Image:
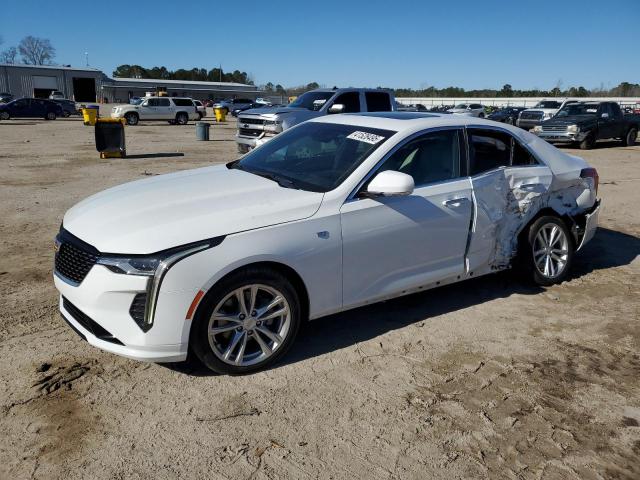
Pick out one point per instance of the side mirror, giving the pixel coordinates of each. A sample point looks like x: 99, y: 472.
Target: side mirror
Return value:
x: 336, y: 108
x: 605, y: 115
x: 391, y: 184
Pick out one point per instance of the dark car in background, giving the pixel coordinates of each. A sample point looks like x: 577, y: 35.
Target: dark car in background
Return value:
x: 585, y: 123
x: 5, y: 97
x: 506, y: 115
x: 31, y: 108
x: 68, y: 107
x: 236, y: 111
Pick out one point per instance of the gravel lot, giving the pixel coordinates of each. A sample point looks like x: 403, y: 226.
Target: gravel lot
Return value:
x: 484, y: 379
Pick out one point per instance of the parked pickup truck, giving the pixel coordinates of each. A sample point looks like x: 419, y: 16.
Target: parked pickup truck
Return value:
x: 543, y: 110
x: 258, y: 125
x: 586, y: 122
x: 172, y: 109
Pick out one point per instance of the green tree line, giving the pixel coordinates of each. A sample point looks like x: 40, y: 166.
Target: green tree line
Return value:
x: 196, y: 74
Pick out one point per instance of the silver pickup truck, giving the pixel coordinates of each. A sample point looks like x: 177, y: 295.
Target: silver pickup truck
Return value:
x: 258, y: 125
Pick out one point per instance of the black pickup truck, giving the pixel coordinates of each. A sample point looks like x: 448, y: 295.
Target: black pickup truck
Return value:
x: 586, y: 122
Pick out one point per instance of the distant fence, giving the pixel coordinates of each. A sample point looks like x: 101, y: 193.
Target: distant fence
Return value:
x: 505, y: 102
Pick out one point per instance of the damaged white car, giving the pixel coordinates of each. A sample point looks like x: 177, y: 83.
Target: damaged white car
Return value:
x: 340, y: 211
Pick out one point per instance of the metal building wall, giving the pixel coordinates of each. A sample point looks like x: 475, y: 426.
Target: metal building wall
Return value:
x: 19, y: 80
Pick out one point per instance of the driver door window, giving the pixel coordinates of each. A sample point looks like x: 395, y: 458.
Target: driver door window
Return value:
x: 350, y: 100
x: 431, y: 158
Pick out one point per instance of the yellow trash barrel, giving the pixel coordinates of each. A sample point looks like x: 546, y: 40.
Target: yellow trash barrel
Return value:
x: 89, y: 115
x: 220, y: 114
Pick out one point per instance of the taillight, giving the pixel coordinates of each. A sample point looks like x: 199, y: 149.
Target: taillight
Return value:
x: 591, y: 173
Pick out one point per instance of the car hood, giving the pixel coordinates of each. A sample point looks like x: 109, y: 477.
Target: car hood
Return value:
x: 274, y: 110
x: 154, y: 214
x: 571, y: 120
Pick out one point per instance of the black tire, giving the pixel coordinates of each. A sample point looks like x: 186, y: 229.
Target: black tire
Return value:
x: 182, y: 118
x: 629, y: 139
x: 5, y: 116
x: 132, y: 118
x: 528, y: 247
x: 200, y: 116
x: 481, y: 115
x: 50, y: 116
x: 66, y: 114
x: 589, y: 142
x: 199, y: 336
x: 242, y: 148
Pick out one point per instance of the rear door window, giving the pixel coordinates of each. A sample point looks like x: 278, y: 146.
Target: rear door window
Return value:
x: 182, y: 102
x: 522, y: 156
x: 488, y: 150
x: 163, y: 102
x: 378, y: 101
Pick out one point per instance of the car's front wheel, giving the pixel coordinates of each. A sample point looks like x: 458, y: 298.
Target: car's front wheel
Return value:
x: 246, y: 322
x: 589, y: 142
x: 4, y: 116
x: 131, y: 118
x: 50, y: 116
x: 547, y: 251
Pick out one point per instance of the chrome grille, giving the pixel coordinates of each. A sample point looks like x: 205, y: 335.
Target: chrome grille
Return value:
x: 554, y: 128
x: 250, y: 132
x: 251, y: 121
x: 531, y: 115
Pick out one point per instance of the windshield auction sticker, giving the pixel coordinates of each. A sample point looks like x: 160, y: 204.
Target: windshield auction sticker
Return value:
x: 365, y: 137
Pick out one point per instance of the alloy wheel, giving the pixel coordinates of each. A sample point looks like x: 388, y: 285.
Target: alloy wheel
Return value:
x: 550, y: 250
x: 249, y: 325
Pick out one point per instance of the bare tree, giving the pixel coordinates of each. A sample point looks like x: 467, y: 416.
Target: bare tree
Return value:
x: 36, y: 51
x: 9, y: 55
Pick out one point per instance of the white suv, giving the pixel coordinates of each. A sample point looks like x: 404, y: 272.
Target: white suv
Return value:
x: 173, y: 109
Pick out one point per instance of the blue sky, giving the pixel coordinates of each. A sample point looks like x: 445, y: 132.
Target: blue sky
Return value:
x: 466, y: 43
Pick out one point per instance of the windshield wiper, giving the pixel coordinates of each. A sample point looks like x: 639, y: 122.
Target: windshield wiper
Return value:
x: 280, y: 180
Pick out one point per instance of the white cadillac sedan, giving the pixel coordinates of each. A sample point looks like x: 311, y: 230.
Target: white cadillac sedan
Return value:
x: 345, y: 210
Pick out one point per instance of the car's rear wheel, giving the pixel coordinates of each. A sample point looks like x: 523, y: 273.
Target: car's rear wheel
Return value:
x: 246, y: 322
x: 630, y: 138
x: 66, y: 114
x: 50, y: 116
x: 547, y: 251
x: 4, y: 116
x: 182, y: 119
x: 589, y: 142
x: 132, y: 118
x: 200, y: 116
x: 242, y: 149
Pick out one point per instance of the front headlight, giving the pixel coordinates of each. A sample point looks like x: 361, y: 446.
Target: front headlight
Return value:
x: 155, y: 267
x: 547, y: 116
x: 573, y: 128
x: 273, y: 125
x: 537, y: 129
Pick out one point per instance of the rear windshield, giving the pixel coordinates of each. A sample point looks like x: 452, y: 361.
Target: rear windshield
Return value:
x: 313, y: 156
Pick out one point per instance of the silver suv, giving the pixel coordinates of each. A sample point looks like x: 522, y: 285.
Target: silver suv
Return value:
x: 175, y: 110
x: 258, y: 125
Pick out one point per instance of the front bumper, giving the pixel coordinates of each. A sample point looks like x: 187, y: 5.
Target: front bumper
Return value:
x: 562, y: 137
x: 105, y: 298
x: 527, y: 123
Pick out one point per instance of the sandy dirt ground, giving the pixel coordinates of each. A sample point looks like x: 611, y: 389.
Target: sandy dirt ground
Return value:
x: 485, y: 379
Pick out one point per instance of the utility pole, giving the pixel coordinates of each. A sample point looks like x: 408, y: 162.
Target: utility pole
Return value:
x: 86, y: 58
x: 221, y: 72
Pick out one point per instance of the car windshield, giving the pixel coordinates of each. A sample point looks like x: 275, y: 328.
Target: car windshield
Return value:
x: 548, y: 105
x: 578, y: 109
x: 462, y: 105
x: 311, y: 100
x: 313, y: 156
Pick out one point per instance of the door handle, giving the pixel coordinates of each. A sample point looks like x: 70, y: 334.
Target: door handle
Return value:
x: 455, y: 202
